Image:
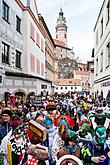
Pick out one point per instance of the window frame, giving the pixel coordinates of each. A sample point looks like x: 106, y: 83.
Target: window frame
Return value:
x: 101, y: 62
x: 18, y: 24
x: 18, y: 60
x: 5, y: 11
x: 5, y: 52
x: 108, y: 54
x: 108, y: 12
x: 102, y: 21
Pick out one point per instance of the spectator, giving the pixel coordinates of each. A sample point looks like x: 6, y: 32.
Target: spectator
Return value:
x: 5, y: 123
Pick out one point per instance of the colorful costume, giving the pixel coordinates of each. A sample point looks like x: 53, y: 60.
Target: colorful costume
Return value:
x: 98, y: 149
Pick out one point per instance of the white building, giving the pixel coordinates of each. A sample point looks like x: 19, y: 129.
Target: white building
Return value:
x: 102, y: 50
x: 22, y: 49
x: 68, y: 85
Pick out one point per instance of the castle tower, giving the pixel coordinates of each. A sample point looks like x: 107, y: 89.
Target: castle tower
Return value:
x: 61, y: 28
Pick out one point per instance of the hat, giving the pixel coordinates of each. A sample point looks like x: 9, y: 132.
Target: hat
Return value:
x: 12, y: 95
x: 8, y: 112
x: 15, y: 123
x: 85, y: 128
x: 82, y: 122
x: 99, y: 110
x: 48, y: 122
x: 50, y: 108
x: 73, y: 136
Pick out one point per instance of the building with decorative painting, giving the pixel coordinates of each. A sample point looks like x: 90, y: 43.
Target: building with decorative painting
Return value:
x: 68, y: 69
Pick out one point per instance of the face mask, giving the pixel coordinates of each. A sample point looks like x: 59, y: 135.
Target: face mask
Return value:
x: 101, y: 140
x: 101, y: 135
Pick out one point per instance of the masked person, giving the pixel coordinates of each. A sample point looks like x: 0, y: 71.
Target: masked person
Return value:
x: 99, y: 118
x: 97, y: 152
x: 84, y: 134
x: 70, y: 146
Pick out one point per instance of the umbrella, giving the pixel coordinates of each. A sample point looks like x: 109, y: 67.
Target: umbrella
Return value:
x: 64, y: 119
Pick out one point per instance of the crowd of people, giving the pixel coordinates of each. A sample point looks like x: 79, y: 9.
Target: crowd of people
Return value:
x: 42, y: 134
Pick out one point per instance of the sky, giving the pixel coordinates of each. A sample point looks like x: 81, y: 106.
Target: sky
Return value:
x: 81, y: 17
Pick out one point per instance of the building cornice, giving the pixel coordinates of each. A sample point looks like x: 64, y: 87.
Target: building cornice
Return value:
x: 46, y: 28
x: 24, y: 75
x: 102, y: 79
x: 99, y: 15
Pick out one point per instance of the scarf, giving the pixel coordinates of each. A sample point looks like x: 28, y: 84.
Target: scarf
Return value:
x: 71, y: 149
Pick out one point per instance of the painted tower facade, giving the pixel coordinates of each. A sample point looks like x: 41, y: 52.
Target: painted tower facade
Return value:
x: 61, y: 28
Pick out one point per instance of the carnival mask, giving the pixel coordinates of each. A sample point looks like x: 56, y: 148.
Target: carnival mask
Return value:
x: 101, y: 135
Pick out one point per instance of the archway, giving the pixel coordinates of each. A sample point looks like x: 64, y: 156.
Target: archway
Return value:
x: 20, y: 95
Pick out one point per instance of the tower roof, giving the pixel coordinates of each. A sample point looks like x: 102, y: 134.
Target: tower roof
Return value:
x: 61, y: 17
x: 61, y: 28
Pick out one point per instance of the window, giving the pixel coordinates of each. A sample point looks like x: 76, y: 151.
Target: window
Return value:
x: 42, y: 69
x: 97, y: 38
x: 18, y: 24
x: 18, y: 59
x: 101, y: 27
x: 38, y: 66
x: 65, y: 87
x: 61, y: 88
x: 5, y: 11
x: 32, y: 32
x: 97, y: 66
x: 42, y: 45
x: 75, y: 87
x: 64, y: 35
x: 71, y: 87
x: 108, y: 12
x: 108, y: 54
x: 5, y: 53
x: 43, y: 86
x: 37, y: 39
x: 32, y: 62
x: 56, y: 87
x: 101, y: 62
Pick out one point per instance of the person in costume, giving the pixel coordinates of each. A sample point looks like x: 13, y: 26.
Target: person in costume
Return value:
x: 70, y: 146
x: 52, y: 130
x: 84, y: 134
x: 12, y: 99
x: 6, y: 140
x: 99, y: 118
x: 32, y: 113
x: 57, y: 141
x: 97, y: 152
x: 37, y: 153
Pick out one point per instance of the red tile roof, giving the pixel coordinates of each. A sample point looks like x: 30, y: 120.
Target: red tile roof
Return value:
x: 77, y: 72
x: 69, y: 82
x: 59, y: 43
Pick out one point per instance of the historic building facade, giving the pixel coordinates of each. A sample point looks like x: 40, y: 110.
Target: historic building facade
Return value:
x: 102, y: 50
x: 49, y: 53
x: 22, y: 49
x: 67, y: 67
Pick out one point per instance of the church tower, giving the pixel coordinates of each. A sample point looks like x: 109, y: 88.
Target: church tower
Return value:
x: 61, y: 28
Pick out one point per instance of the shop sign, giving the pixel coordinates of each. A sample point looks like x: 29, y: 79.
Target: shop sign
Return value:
x: 105, y: 84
